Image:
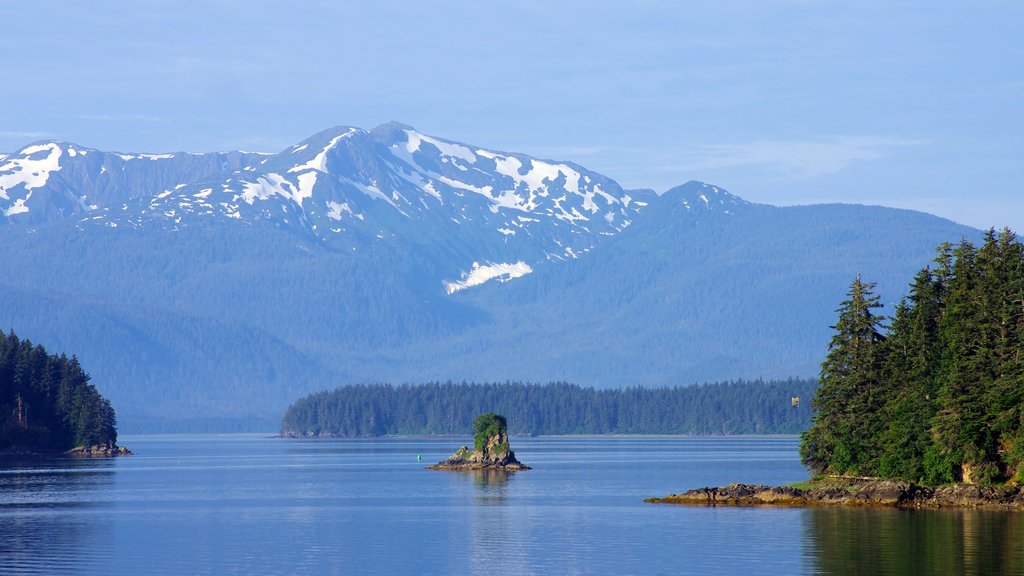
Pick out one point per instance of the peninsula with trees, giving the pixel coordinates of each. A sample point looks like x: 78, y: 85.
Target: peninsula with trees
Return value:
x: 557, y: 408
x: 924, y: 412
x: 48, y: 406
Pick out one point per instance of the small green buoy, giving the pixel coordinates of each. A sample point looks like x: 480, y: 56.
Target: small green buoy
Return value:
x: 419, y: 458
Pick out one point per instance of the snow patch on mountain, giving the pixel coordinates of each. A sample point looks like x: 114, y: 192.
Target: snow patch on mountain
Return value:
x: 539, y: 171
x: 31, y: 167
x: 447, y: 149
x: 336, y: 209
x: 129, y: 157
x: 319, y: 162
x: 265, y: 187
x: 28, y: 169
x: 480, y: 274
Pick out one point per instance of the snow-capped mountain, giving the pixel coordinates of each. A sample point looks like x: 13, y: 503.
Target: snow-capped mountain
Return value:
x: 216, y: 288
x: 478, y: 214
x: 53, y: 181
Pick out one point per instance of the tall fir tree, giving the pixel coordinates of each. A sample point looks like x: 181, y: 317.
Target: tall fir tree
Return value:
x: 843, y: 436
x: 912, y: 361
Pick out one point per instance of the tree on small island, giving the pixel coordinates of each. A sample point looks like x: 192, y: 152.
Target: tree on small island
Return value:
x: 489, y: 425
x: 938, y: 399
x: 491, y: 450
x: 48, y: 405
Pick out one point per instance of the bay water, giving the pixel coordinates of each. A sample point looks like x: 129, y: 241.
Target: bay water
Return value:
x: 254, y: 504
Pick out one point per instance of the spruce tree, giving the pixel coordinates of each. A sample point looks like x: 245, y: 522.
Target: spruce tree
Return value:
x: 845, y: 432
x: 912, y: 361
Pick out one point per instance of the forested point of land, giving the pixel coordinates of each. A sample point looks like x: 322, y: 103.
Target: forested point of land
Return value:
x: 739, y: 407
x: 936, y: 396
x: 47, y: 403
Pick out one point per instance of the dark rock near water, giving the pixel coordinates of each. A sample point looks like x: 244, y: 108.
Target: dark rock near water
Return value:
x: 100, y: 451
x: 890, y: 493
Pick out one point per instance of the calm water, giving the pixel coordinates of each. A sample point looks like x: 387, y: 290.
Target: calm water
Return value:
x: 253, y: 505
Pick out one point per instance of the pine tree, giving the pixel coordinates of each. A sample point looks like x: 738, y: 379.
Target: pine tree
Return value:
x: 844, y: 435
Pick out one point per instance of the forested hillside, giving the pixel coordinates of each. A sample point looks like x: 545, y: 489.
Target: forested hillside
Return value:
x: 938, y: 395
x: 740, y: 407
x: 47, y: 402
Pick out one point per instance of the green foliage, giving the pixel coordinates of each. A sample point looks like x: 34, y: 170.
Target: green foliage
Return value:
x: 939, y: 399
x: 486, y: 426
x: 47, y: 402
x: 846, y: 402
x: 741, y: 407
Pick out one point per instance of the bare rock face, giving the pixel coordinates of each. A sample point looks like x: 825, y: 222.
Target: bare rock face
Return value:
x: 494, y: 452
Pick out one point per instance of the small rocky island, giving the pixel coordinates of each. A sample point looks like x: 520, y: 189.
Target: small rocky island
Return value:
x: 491, y: 450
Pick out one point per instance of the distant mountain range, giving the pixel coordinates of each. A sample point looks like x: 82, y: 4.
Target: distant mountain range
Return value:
x: 207, y: 291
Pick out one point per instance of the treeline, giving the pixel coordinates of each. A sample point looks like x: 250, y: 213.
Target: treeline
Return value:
x: 47, y: 402
x: 937, y: 396
x: 740, y: 407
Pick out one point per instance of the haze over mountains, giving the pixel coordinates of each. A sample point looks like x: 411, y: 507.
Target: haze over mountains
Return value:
x: 207, y: 291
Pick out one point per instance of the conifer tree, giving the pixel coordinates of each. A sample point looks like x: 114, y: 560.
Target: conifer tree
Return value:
x: 46, y: 401
x: 912, y: 361
x: 846, y: 423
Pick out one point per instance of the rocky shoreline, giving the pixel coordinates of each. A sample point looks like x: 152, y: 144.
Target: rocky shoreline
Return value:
x: 486, y: 458
x: 100, y: 451
x: 96, y: 451
x: 886, y: 493
x: 471, y: 466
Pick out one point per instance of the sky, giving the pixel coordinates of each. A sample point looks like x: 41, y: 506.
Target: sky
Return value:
x: 916, y: 105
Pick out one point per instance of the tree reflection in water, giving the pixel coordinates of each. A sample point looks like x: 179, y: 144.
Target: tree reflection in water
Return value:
x: 889, y: 541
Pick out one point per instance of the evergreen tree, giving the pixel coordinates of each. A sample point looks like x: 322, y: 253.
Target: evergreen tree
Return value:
x: 46, y: 401
x: 912, y: 360
x: 947, y: 406
x: 842, y: 437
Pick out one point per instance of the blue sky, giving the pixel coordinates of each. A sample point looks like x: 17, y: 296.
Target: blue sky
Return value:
x: 908, y: 104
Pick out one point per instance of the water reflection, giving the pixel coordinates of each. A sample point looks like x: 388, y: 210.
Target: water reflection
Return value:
x: 42, y: 527
x: 883, y: 541
x: 497, y: 530
x: 491, y: 485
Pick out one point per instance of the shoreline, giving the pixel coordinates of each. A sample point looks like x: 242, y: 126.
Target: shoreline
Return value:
x: 77, y: 452
x: 876, y: 493
x: 525, y: 435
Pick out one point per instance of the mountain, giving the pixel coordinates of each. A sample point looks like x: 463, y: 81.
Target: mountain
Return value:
x: 53, y: 181
x: 470, y: 214
x: 207, y: 291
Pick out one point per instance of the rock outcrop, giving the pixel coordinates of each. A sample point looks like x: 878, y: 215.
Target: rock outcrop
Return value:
x: 491, y: 449
x: 891, y: 493
x: 100, y: 451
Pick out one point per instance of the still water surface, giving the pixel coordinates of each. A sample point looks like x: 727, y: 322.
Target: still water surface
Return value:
x: 247, y: 504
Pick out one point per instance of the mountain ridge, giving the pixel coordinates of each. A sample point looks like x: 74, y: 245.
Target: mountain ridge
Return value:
x: 207, y: 298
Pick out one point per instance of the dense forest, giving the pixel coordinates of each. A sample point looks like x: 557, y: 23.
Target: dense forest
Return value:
x: 47, y: 402
x: 936, y: 395
x: 741, y: 407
